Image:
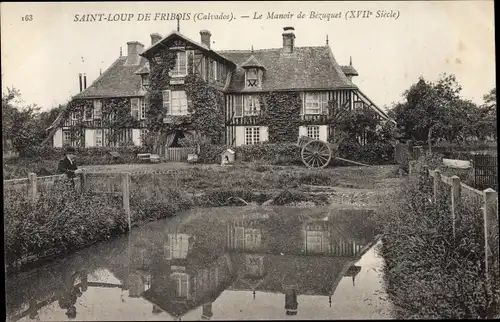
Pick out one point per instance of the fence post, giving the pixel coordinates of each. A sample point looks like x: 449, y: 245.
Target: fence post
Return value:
x: 455, y: 201
x: 126, y: 196
x: 490, y: 223
x: 83, y: 180
x: 32, y: 186
x: 436, y: 182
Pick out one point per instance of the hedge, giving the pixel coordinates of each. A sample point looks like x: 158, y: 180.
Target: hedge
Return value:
x: 289, y: 153
x: 52, y: 153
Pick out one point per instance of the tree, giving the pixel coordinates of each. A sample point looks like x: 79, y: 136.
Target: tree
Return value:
x: 486, y: 116
x: 23, y: 126
x: 431, y: 110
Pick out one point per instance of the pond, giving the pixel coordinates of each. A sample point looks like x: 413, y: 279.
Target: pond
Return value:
x: 218, y: 263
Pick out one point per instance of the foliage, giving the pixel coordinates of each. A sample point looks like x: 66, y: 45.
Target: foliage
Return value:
x: 371, y: 153
x: 115, y: 116
x: 289, y: 196
x: 23, y: 126
x: 207, y: 107
x: 205, y: 103
x: 59, y: 222
x: 438, y: 109
x: 281, y: 114
x: 428, y: 274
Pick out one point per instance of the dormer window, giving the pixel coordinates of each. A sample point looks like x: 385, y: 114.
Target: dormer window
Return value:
x: 145, y: 81
x: 252, y: 77
x: 254, y: 72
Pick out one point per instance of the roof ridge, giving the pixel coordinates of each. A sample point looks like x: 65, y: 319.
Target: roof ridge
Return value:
x: 262, y: 50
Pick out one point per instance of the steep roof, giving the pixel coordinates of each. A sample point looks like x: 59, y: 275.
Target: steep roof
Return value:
x: 119, y: 80
x: 305, y: 68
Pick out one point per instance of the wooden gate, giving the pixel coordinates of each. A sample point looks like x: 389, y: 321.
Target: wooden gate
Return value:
x: 485, y: 172
x: 178, y: 154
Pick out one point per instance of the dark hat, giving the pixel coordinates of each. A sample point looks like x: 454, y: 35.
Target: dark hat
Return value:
x: 70, y: 150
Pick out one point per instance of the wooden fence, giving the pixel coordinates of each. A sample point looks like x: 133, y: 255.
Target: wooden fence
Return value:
x: 115, y: 184
x: 485, y: 171
x: 178, y: 154
x: 489, y: 201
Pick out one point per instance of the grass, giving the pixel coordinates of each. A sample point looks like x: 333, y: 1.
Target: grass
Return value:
x: 428, y: 273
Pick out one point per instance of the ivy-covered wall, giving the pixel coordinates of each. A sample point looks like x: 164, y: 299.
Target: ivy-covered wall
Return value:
x: 115, y: 116
x: 282, y: 115
x: 205, y: 103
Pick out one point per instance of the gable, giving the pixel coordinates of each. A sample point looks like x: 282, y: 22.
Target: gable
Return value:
x: 174, y: 36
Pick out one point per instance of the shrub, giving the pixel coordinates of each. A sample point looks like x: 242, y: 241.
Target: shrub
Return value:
x: 371, y: 153
x: 289, y: 196
x: 60, y: 221
x: 428, y: 273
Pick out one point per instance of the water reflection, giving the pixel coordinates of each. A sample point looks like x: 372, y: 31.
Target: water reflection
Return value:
x: 184, y: 268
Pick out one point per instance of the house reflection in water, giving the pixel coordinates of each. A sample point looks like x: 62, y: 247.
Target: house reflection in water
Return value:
x: 181, y: 270
x: 185, y: 277
x: 309, y: 258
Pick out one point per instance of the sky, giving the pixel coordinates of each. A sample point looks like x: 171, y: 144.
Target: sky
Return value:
x: 43, y: 49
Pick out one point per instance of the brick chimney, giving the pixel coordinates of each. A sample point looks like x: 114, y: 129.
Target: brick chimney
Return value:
x: 155, y: 37
x: 133, y: 50
x: 205, y: 37
x: 288, y: 39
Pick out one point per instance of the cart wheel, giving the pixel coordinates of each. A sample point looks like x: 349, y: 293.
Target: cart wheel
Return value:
x: 316, y: 154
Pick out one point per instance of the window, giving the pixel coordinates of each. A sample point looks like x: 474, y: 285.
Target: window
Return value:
x: 142, y: 109
x: 252, y: 106
x: 316, y: 103
x: 313, y: 132
x: 134, y: 107
x: 98, y: 137
x: 145, y: 81
x: 177, y: 246
x: 89, y: 111
x: 182, y: 281
x: 358, y: 105
x: 252, y: 77
x: 144, y: 132
x: 255, y: 265
x: 252, y: 239
x: 252, y: 135
x: 97, y: 109
x: 238, y: 105
x: 74, y: 115
x: 180, y: 68
x: 316, y: 242
x: 166, y: 101
x: 178, y: 103
x: 66, y: 137
x: 239, y: 234
x: 210, y: 69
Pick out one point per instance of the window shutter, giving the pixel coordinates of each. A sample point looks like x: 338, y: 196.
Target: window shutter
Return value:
x: 238, y: 105
x: 166, y: 101
x: 324, y: 103
x: 134, y: 107
x: 302, y: 98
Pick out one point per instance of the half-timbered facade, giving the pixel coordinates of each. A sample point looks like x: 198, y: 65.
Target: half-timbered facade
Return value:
x: 242, y: 75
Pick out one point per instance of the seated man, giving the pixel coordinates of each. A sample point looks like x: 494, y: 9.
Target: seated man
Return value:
x: 67, y: 165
